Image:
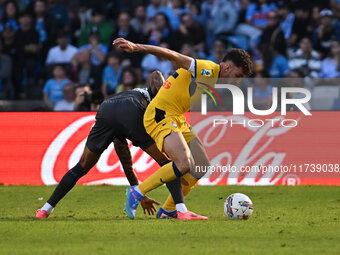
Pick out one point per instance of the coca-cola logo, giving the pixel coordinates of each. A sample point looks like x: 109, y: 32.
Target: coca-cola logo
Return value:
x: 66, y: 150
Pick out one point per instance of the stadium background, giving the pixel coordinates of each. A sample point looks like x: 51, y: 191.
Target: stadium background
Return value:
x: 57, y: 56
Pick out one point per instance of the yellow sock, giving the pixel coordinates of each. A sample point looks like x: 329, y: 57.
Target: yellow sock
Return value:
x: 165, y: 174
x: 188, y: 183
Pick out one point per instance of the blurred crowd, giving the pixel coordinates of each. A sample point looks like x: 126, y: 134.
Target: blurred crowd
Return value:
x: 61, y: 51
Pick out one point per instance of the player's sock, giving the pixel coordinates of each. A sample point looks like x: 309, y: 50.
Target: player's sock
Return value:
x: 175, y: 189
x: 188, y: 182
x: 66, y: 184
x: 163, y: 175
x: 181, y: 207
x: 48, y: 208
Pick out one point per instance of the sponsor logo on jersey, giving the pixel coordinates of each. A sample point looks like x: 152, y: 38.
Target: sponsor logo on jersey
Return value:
x: 167, y: 85
x: 206, y: 72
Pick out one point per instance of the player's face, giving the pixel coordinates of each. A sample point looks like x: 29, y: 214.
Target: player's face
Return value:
x: 232, y: 72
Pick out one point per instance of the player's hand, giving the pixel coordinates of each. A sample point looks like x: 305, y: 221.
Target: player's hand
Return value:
x: 148, y: 205
x: 125, y: 45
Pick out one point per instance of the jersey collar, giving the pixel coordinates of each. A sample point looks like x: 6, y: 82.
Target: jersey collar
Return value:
x: 145, y: 92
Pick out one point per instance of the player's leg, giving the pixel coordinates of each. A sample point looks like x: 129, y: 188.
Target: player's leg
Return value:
x: 177, y: 150
x: 86, y: 162
x: 188, y: 181
x: 101, y: 135
x: 174, y: 186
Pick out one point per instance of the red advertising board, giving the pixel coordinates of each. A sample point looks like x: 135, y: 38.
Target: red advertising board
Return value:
x: 39, y: 148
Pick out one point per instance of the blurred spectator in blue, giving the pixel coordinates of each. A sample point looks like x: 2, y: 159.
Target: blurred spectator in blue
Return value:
x: 190, y: 32
x: 151, y: 63
x: 139, y: 22
x: 84, y: 72
x: 325, y: 33
x: 225, y: 18
x: 156, y: 7
x: 10, y: 15
x: 45, y: 25
x: 194, y: 9
x: 53, y: 89
x: 27, y: 54
x: 68, y: 103
x: 262, y: 91
x: 305, y: 59
x: 218, y: 51
x: 63, y: 52
x: 159, y: 29
x: 220, y: 17
x: 97, y: 49
x: 257, y: 13
x: 6, y: 86
x: 330, y: 66
x: 287, y: 19
x: 98, y: 24
x: 60, y: 14
x: 112, y: 74
x: 278, y: 66
x: 256, y: 20
x: 274, y: 62
x: 129, y: 80
x: 177, y: 7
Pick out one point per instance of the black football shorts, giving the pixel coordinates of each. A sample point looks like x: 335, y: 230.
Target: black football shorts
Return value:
x: 120, y: 116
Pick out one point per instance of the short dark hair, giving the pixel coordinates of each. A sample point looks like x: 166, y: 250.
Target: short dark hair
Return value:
x: 25, y: 14
x: 240, y: 58
x: 62, y: 34
x: 43, y: 1
x: 60, y: 66
x: 114, y: 54
x: 97, y: 11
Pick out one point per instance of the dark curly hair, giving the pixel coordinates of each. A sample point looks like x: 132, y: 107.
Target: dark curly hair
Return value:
x: 241, y: 59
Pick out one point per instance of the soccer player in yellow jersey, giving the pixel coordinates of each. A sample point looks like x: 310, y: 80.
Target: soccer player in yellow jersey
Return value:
x: 164, y: 119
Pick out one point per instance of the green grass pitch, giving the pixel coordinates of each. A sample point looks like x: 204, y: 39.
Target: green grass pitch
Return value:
x: 91, y: 220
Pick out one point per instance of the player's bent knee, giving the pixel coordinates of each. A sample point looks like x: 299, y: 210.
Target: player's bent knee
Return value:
x: 185, y: 165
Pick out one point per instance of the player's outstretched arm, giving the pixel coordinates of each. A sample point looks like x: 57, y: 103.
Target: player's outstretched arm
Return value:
x: 124, y: 155
x: 176, y: 58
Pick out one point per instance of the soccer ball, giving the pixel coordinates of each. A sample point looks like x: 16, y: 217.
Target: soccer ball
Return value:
x: 238, y: 206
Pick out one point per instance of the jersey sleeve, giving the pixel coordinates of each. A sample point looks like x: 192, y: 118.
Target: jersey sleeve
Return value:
x: 206, y: 69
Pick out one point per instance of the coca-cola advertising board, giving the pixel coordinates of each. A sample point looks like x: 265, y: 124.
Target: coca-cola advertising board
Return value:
x: 39, y: 148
